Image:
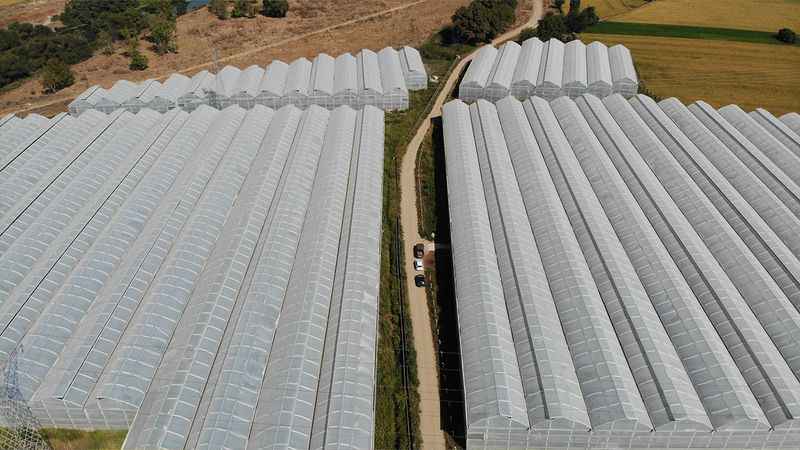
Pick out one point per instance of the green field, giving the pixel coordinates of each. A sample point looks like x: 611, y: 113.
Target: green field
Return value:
x: 684, y: 31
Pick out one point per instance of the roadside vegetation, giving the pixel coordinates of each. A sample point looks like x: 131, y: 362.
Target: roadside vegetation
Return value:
x: 392, y: 402
x: 86, y: 26
x: 564, y: 27
x: 480, y: 21
x: 63, y: 439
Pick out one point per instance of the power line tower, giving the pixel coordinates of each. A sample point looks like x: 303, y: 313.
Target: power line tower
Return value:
x: 20, y: 428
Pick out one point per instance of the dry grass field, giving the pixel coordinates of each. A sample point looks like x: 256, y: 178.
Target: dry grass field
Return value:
x: 719, y: 72
x: 199, y: 32
x: 611, y: 8
x: 760, y: 15
x: 35, y: 11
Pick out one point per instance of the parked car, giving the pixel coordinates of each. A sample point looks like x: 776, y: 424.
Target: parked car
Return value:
x: 419, y: 250
x: 418, y: 266
x: 419, y: 280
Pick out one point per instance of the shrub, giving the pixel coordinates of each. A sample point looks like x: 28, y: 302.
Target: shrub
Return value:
x: 275, y: 8
x: 219, y: 8
x: 138, y: 60
x: 105, y: 43
x: 526, y: 34
x: 56, y: 75
x: 787, y: 35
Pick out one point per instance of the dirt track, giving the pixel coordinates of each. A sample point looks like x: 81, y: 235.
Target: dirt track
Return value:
x: 430, y: 422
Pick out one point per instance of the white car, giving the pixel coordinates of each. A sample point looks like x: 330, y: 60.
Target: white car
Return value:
x: 418, y: 266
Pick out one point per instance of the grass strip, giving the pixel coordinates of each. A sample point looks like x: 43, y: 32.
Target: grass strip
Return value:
x: 684, y: 31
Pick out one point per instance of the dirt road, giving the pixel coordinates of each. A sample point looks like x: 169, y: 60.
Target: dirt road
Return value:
x: 430, y: 423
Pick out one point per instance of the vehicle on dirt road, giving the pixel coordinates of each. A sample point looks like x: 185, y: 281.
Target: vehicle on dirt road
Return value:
x: 419, y: 280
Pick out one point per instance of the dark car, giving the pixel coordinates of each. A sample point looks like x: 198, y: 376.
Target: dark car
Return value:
x: 419, y: 250
x: 419, y: 280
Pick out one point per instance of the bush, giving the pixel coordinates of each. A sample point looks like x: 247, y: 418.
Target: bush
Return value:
x: 138, y: 60
x: 243, y: 8
x: 56, y: 75
x: 526, y: 34
x: 275, y: 8
x: 787, y: 35
x: 219, y: 8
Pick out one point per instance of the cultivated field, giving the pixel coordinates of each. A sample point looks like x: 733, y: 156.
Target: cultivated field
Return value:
x: 762, y: 15
x: 719, y: 72
x: 263, y: 39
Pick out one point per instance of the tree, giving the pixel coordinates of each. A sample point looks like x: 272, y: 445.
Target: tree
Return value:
x: 138, y: 60
x: 482, y: 20
x: 551, y: 26
x: 275, y: 8
x: 56, y: 75
x: 787, y: 35
x: 219, y: 8
x: 559, y: 5
x: 162, y: 35
x: 575, y: 6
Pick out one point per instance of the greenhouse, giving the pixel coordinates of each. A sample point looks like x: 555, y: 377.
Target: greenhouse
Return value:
x: 206, y: 279
x: 626, y: 273
x: 549, y: 70
x: 380, y: 79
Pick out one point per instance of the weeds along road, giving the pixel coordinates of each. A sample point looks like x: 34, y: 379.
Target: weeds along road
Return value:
x: 430, y: 422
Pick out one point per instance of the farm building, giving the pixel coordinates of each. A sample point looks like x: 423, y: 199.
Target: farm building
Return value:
x: 526, y: 73
x: 476, y: 78
x: 549, y: 70
x: 198, y: 277
x: 792, y: 120
x: 380, y: 79
x: 413, y: 69
x: 626, y: 273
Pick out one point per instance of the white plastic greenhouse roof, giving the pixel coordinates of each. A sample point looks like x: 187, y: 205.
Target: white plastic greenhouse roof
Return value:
x: 550, y: 70
x: 208, y: 279
x: 325, y: 82
x: 627, y: 273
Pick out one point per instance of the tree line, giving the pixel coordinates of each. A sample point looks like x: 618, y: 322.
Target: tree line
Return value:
x: 86, y: 26
x: 248, y: 8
